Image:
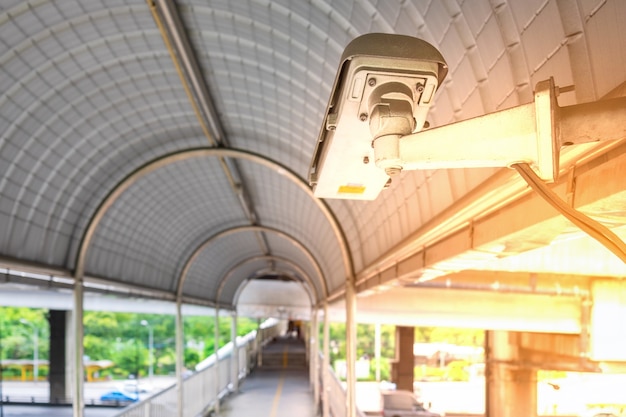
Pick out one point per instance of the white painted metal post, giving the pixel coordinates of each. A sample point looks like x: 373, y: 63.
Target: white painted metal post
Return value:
x: 326, y: 364
x: 78, y: 400
x: 179, y: 356
x: 259, y: 344
x: 216, y: 365
x: 314, y: 358
x: 377, y: 350
x: 150, y: 349
x: 235, y: 353
x: 350, y: 349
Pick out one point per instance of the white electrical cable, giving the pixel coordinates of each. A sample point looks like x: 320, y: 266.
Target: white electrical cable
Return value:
x: 593, y: 228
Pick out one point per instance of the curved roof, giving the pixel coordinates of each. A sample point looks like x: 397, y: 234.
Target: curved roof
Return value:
x: 172, y: 141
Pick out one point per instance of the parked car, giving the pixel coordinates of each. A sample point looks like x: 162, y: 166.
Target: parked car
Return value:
x: 403, y: 404
x: 134, y: 386
x: 117, y: 397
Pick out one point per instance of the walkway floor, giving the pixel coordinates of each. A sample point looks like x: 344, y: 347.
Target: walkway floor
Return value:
x: 272, y: 393
x: 276, y: 389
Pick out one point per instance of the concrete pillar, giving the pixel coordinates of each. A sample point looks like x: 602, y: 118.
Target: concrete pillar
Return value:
x: 511, y: 388
x: 69, y: 352
x: 58, y: 342
x: 402, y: 368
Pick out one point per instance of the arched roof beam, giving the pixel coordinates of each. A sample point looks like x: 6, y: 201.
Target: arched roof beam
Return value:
x: 308, y: 288
x: 183, y: 275
x: 166, y: 160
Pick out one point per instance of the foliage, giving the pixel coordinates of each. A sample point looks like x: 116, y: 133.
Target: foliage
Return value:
x: 460, y: 337
x: 385, y: 369
x: 16, y: 338
x: 429, y: 373
x: 121, y: 338
x: 456, y: 371
x: 366, y: 347
x: 546, y: 375
x: 365, y: 341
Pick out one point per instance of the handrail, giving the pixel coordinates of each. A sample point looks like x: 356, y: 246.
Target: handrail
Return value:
x: 337, y: 395
x: 199, y: 388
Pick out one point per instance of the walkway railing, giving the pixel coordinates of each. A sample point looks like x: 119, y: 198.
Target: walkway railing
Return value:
x: 199, y: 389
x: 337, y: 395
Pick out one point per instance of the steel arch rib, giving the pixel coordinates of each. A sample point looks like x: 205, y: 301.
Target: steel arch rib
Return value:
x: 227, y: 232
x: 166, y: 160
x: 228, y: 275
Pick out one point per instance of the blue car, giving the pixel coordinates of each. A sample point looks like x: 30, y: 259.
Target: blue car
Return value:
x: 118, y: 397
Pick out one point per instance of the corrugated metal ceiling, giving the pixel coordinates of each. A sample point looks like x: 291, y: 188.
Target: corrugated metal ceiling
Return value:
x: 90, y: 97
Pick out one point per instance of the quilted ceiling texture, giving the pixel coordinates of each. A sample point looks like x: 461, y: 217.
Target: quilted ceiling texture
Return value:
x: 163, y: 147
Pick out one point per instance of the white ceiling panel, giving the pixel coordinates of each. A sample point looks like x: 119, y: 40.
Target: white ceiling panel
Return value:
x: 146, y: 147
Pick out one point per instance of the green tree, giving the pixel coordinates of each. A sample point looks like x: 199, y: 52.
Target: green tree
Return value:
x: 17, y: 338
x: 121, y: 338
x: 461, y: 337
x: 366, y: 342
x: 129, y: 358
x: 192, y: 358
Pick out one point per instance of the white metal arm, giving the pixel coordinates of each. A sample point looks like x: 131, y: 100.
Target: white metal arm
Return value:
x: 531, y: 133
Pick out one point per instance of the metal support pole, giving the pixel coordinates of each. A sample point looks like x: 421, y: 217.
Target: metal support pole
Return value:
x: 78, y: 400
x: 259, y: 344
x: 179, y: 356
x: 216, y: 364
x: 326, y: 364
x: 350, y: 349
x: 377, y: 350
x: 235, y: 353
x: 314, y: 358
x: 150, y: 349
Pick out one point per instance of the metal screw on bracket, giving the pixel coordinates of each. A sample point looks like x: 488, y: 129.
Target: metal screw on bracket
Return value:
x: 393, y: 171
x: 419, y: 87
x: 371, y: 82
x: 363, y: 117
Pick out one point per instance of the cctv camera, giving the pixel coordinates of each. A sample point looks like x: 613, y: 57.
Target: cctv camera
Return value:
x: 384, y: 87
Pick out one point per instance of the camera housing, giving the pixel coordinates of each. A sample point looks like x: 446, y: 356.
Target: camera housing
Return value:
x: 384, y: 88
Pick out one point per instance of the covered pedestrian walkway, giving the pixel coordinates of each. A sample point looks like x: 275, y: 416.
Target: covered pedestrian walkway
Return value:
x: 279, y: 387
x: 273, y: 374
x: 417, y: 163
x: 277, y: 384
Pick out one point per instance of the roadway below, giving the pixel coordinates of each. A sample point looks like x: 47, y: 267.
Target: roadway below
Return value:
x: 575, y: 395
x: 54, y: 411
x: 38, y: 393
